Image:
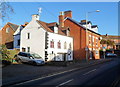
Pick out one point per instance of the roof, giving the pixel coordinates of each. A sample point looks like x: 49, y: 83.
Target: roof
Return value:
x: 82, y: 25
x: 47, y: 25
x: 51, y: 24
x: 13, y: 26
x: 111, y: 36
x: 94, y: 26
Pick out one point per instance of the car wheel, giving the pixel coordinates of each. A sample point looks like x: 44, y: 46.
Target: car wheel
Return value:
x: 19, y: 61
x: 34, y: 63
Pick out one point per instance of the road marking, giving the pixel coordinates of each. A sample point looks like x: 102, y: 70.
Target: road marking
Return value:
x: 90, y: 71
x: 64, y: 83
x: 47, y: 76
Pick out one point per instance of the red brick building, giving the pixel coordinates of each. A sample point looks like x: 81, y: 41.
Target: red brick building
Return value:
x: 114, y: 38
x: 78, y: 32
x: 6, y: 35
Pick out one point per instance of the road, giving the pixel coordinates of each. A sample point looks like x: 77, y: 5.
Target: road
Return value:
x: 103, y: 75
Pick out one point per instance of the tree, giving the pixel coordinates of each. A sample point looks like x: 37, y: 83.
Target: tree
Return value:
x: 103, y: 41
x: 5, y: 10
x: 108, y: 42
x: 4, y: 52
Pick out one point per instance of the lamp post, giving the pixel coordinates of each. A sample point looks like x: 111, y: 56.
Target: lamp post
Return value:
x: 86, y: 49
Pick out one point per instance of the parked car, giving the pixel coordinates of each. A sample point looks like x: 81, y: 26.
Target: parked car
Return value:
x: 31, y: 58
x: 111, y: 55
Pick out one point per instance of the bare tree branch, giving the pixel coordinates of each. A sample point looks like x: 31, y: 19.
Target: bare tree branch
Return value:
x: 5, y: 9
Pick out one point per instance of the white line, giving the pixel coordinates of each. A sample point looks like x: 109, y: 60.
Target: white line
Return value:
x: 64, y: 83
x: 89, y: 72
x: 46, y: 76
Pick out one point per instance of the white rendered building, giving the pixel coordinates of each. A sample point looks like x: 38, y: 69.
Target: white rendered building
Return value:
x: 47, y: 40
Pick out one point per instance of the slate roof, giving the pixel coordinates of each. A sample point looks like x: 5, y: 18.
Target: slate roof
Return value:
x: 13, y: 26
x: 82, y: 25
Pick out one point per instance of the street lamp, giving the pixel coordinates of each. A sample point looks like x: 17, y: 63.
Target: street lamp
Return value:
x: 86, y: 33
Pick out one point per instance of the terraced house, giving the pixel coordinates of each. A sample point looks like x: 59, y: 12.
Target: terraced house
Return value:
x: 77, y: 30
x: 47, y: 40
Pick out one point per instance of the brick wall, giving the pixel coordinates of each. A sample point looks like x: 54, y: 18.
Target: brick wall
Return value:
x: 7, y: 38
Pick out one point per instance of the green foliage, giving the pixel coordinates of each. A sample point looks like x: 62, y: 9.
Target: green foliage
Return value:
x: 4, y: 53
x: 103, y: 41
x: 108, y: 42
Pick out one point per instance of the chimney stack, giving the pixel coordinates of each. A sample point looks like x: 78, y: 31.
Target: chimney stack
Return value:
x: 68, y: 14
x: 35, y: 17
x: 61, y: 19
x: 62, y: 16
x: 83, y: 21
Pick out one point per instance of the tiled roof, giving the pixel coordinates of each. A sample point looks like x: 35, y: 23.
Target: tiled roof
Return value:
x: 51, y: 24
x: 13, y: 26
x: 81, y: 25
x: 111, y: 36
x: 47, y: 25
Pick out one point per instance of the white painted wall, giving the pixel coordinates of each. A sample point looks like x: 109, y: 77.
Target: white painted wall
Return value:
x: 88, y: 25
x: 56, y: 51
x: 37, y: 38
x: 37, y: 42
x: 95, y: 29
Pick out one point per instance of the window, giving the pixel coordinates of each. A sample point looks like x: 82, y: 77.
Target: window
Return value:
x: 18, y: 42
x: 93, y: 38
x: 96, y: 41
x: 59, y: 44
x: 52, y: 44
x: 65, y: 45
x: 28, y: 35
x: 7, y: 30
x: 89, y: 39
x: 28, y: 49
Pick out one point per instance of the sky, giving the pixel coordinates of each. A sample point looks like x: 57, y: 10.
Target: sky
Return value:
x: 106, y: 19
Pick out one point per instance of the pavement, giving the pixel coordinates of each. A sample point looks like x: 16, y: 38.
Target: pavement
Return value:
x: 17, y: 73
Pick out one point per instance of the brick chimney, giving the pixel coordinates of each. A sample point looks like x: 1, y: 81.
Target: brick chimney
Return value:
x: 61, y: 19
x: 68, y: 14
x: 62, y: 16
x: 83, y: 20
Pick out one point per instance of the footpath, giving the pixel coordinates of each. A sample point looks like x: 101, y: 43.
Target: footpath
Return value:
x: 17, y: 73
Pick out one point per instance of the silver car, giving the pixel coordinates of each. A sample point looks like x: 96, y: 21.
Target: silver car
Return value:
x: 31, y: 58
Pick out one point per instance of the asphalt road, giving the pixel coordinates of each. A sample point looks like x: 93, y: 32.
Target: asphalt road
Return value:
x: 102, y: 75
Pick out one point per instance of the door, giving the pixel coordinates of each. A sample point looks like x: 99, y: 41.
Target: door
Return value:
x: 23, y: 49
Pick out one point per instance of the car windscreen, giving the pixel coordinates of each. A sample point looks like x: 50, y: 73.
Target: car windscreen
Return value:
x: 36, y: 56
